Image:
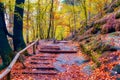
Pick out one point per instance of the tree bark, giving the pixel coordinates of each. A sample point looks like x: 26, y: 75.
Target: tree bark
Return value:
x: 5, y: 49
x: 51, y: 22
x: 3, y: 29
x: 18, y: 26
x: 28, y: 16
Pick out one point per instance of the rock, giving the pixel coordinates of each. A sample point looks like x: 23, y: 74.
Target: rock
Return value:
x: 113, y: 39
x: 58, y: 66
x: 87, y: 69
x: 116, y: 70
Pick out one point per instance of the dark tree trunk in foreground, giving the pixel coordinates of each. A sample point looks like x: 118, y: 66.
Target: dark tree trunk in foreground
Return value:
x: 5, y: 49
x: 18, y: 26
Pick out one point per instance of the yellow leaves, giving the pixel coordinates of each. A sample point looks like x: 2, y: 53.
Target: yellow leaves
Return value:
x: 96, y: 6
x: 57, y: 16
x: 1, y: 0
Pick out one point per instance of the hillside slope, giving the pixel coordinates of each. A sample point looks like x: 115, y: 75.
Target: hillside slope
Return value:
x: 101, y: 42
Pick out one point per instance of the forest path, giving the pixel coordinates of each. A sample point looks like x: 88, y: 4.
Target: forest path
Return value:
x: 50, y: 60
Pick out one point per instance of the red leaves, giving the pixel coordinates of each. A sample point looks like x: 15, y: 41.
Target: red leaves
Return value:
x: 108, y: 62
x: 73, y: 71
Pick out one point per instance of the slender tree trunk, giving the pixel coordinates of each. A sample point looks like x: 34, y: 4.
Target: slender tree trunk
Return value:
x: 33, y: 30
x: 89, y: 13
x: 83, y: 4
x: 51, y: 20
x: 49, y: 28
x: 18, y: 26
x: 70, y: 25
x: 53, y: 29
x: 27, y: 31
x: 85, y: 12
x: 74, y: 15
x: 38, y: 20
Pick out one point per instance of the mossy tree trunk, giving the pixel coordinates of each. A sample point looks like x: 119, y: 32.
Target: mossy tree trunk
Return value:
x: 18, y: 26
x: 4, y: 45
x: 5, y: 49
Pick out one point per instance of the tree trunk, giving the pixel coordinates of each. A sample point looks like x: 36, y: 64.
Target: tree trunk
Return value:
x: 18, y: 26
x: 28, y: 16
x: 51, y: 21
x: 5, y: 49
x: 85, y: 12
x: 74, y: 16
x: 53, y: 28
x: 83, y: 5
x: 10, y: 16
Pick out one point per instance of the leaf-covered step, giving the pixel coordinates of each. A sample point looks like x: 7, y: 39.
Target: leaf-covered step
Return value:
x: 58, y: 51
x: 40, y: 66
x: 41, y: 59
x: 40, y: 72
x: 50, y: 47
x: 47, y: 63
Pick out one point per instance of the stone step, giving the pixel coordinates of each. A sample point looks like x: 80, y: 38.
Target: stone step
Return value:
x: 36, y: 71
x: 40, y: 72
x: 47, y: 63
x: 40, y: 66
x: 44, y: 56
x: 57, y: 51
x: 43, y: 68
x: 50, y: 47
x: 41, y: 59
